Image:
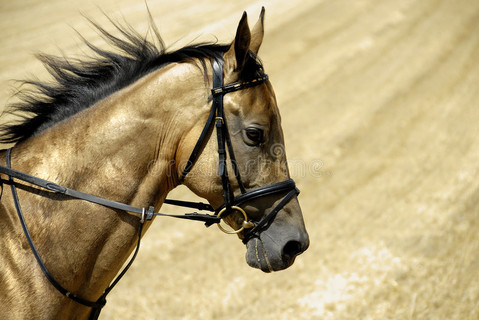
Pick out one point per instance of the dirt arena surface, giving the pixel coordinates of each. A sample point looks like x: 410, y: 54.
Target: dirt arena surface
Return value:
x: 380, y: 109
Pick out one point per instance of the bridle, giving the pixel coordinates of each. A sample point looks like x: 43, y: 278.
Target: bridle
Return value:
x: 231, y: 204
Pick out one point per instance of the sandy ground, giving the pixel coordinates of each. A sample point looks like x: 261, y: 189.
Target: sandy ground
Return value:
x: 380, y: 108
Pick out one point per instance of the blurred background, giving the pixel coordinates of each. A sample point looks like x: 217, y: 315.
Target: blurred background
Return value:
x: 380, y: 110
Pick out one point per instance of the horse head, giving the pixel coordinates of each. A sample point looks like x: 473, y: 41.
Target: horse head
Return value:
x: 261, y: 203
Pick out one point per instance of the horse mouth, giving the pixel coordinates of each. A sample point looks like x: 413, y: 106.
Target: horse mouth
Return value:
x: 259, y: 256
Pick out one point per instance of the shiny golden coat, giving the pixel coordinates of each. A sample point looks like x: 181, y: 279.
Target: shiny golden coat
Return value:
x: 131, y: 147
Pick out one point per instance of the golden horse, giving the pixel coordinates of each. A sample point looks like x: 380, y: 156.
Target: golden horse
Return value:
x: 129, y: 126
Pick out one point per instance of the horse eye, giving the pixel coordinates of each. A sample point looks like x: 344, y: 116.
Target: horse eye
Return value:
x: 255, y: 135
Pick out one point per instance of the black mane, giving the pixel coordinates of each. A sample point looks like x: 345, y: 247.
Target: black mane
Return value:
x: 79, y: 84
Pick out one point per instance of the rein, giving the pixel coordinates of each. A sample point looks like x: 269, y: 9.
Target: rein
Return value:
x: 146, y: 215
x: 231, y: 203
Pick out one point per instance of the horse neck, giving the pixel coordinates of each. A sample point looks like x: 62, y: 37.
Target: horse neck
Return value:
x: 123, y: 149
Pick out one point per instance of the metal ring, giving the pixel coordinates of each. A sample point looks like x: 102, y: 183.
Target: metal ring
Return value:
x: 246, y: 223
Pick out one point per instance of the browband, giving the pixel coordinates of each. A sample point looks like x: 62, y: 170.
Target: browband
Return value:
x: 239, y: 85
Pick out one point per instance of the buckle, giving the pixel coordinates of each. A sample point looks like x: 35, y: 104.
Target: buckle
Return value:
x: 147, y: 215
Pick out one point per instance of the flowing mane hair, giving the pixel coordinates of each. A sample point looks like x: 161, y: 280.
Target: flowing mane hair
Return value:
x: 80, y: 83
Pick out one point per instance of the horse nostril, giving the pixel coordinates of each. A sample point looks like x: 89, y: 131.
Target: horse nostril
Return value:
x: 292, y: 249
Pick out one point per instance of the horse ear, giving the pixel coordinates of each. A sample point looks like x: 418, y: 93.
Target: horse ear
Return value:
x: 257, y: 33
x: 236, y: 54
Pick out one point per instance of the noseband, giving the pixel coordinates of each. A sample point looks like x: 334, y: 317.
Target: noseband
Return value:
x: 231, y: 203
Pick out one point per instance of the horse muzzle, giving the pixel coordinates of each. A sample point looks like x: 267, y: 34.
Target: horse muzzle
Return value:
x: 272, y: 242
x: 276, y: 248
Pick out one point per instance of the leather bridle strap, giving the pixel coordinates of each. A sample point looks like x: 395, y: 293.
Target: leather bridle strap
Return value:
x: 147, y: 213
x: 288, y: 186
x: 199, y: 144
x: 279, y: 187
x: 264, y: 223
x: 222, y: 131
x: 223, y: 138
x: 217, y: 115
x: 97, y: 304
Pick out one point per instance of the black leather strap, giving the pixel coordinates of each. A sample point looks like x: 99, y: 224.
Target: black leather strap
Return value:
x: 288, y: 186
x: 222, y: 132
x: 58, y: 286
x: 240, y: 85
x: 218, y: 92
x: 264, y: 223
x: 221, y: 129
x: 234, y: 164
x: 275, y: 188
x: 145, y: 215
x: 48, y: 185
x: 189, y: 204
x: 196, y: 150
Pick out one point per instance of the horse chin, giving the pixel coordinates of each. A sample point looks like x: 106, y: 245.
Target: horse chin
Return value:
x: 266, y: 256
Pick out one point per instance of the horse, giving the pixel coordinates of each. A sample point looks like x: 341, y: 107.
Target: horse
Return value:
x: 98, y: 148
